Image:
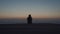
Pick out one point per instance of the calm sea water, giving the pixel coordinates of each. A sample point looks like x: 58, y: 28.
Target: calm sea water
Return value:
x: 24, y: 21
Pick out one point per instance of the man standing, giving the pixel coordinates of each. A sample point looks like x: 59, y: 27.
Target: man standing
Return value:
x: 29, y: 19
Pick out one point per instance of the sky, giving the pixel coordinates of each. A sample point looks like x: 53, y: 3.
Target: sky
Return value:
x: 37, y: 8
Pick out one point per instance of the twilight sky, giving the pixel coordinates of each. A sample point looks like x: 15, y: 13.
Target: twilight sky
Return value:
x: 37, y: 8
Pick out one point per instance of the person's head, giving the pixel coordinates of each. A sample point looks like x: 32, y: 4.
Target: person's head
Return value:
x: 29, y: 15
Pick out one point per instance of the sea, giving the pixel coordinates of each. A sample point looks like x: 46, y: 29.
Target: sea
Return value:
x: 35, y: 20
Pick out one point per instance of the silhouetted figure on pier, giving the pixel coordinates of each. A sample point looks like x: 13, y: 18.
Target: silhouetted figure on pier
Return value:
x: 29, y: 19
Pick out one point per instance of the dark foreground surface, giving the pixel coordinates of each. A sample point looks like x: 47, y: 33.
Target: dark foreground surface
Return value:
x: 29, y: 28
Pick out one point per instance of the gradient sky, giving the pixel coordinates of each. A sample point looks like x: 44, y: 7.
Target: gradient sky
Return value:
x: 37, y: 8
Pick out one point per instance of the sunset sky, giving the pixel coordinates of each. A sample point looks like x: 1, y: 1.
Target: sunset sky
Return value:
x: 37, y: 8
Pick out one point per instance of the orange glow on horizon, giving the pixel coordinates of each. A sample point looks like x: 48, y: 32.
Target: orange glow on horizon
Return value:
x: 32, y: 17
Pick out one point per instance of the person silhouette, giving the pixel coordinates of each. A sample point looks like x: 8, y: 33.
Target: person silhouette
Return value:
x: 29, y: 19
